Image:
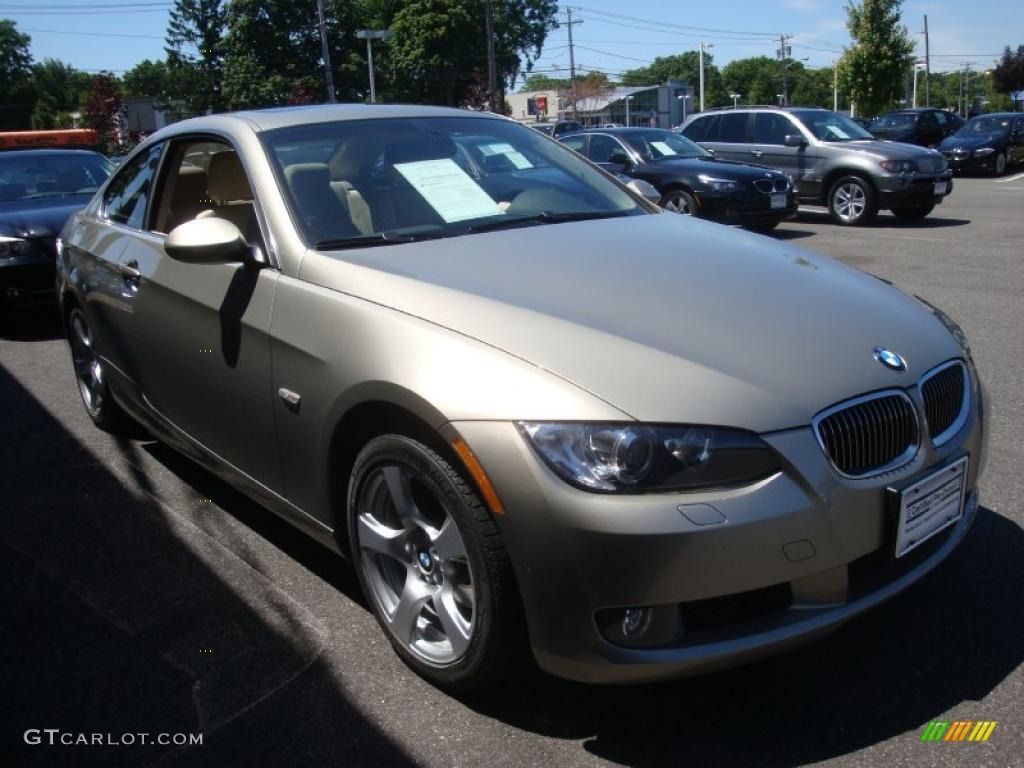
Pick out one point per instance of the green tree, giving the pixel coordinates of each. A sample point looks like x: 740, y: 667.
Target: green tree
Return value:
x: 61, y: 89
x: 811, y: 87
x: 103, y: 111
x: 757, y: 79
x: 1008, y: 76
x: 873, y: 70
x: 148, y: 78
x: 195, y: 53
x: 683, y: 66
x: 545, y: 83
x: 16, y: 92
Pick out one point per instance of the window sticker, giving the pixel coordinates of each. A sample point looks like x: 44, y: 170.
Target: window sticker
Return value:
x: 448, y: 189
x: 837, y: 132
x: 662, y: 147
x: 518, y: 159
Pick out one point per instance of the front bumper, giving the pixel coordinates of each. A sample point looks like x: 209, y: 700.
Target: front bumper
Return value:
x: 745, y: 207
x: 816, y: 540
x: 896, y: 190
x: 972, y: 163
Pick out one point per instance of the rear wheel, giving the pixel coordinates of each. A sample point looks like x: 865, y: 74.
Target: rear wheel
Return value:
x: 90, y: 375
x: 913, y: 212
x: 432, y: 564
x: 851, y: 201
x: 1000, y: 164
x: 680, y: 201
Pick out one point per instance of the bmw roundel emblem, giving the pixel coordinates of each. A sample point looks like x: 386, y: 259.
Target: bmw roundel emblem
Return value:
x: 890, y: 359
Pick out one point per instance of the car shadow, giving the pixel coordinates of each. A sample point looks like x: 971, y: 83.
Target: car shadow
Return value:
x: 885, y: 220
x: 785, y: 233
x: 31, y: 324
x: 950, y: 639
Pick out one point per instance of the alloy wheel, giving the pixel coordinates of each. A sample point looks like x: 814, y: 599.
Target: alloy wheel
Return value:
x: 850, y: 201
x: 677, y: 202
x: 415, y: 563
x: 88, y: 366
x: 1000, y: 164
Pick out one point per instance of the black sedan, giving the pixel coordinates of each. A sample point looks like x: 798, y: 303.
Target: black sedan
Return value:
x: 990, y: 143
x: 689, y: 178
x: 39, y: 190
x: 923, y: 126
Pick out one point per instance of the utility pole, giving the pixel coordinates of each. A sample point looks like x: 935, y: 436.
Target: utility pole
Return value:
x: 835, y: 86
x: 927, y: 66
x: 572, y: 58
x: 783, y: 55
x: 492, y: 67
x: 703, y: 48
x: 328, y: 70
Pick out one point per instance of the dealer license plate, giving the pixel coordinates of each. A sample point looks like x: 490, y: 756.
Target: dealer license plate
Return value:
x: 930, y: 505
x: 778, y: 200
x: 941, y: 187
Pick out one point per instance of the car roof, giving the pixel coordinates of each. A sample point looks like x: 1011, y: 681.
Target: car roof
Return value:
x: 999, y: 115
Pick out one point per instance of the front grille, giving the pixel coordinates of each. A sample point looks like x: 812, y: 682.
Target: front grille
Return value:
x: 931, y: 165
x: 870, y: 434
x: 772, y: 185
x: 943, y: 395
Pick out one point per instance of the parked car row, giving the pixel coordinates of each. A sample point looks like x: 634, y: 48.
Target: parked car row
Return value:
x: 537, y: 413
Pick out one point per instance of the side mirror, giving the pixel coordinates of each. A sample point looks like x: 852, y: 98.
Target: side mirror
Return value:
x: 206, y: 241
x: 794, y: 140
x: 709, y: 150
x: 645, y: 190
x: 619, y: 157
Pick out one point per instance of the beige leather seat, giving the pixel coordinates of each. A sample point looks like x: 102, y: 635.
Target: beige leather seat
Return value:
x: 231, y: 194
x: 188, y: 198
x: 324, y: 212
x: 347, y: 165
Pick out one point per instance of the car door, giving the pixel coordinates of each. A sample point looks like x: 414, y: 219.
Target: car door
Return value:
x: 929, y: 132
x: 1017, y: 140
x: 731, y: 136
x: 198, y: 334
x: 95, y: 245
x: 769, y: 148
x: 603, y: 148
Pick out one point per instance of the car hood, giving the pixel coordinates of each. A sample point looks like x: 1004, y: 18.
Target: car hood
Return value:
x: 732, y: 170
x: 668, y: 318
x: 885, y: 150
x: 892, y: 134
x: 969, y: 142
x: 40, y: 218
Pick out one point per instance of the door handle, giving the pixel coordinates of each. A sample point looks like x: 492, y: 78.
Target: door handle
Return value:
x: 756, y: 152
x: 130, y: 269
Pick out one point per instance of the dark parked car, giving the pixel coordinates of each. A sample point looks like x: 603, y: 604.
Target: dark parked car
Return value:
x: 925, y: 127
x: 689, y: 178
x: 39, y: 190
x: 831, y: 160
x: 987, y: 142
x: 566, y: 126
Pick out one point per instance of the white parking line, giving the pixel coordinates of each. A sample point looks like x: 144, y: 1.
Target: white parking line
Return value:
x: 1018, y: 177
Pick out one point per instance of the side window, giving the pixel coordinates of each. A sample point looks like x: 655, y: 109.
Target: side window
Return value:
x: 124, y: 200
x: 575, y: 143
x: 771, y: 128
x: 601, y: 148
x: 702, y: 129
x: 733, y: 128
x: 940, y: 117
x: 928, y: 119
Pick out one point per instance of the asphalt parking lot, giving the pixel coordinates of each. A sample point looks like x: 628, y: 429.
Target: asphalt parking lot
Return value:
x: 141, y: 595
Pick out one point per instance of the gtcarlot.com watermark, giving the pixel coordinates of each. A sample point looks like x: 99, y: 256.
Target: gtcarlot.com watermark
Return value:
x: 56, y: 737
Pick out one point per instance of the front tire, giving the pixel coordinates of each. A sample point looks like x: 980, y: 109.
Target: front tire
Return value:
x: 680, y: 201
x: 432, y: 565
x: 914, y: 212
x: 90, y: 375
x: 852, y: 201
x: 999, y: 168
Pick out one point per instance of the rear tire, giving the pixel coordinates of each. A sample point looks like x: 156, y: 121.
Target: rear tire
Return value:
x: 432, y: 564
x: 914, y: 212
x: 852, y: 201
x: 999, y: 168
x: 90, y: 376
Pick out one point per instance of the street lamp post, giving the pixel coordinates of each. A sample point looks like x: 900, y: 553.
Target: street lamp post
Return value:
x: 918, y: 66
x: 703, y: 48
x: 683, y: 97
x: 369, y: 35
x: 735, y: 99
x: 628, y: 99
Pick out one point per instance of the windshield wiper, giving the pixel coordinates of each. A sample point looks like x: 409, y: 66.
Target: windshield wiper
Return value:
x: 368, y: 241
x: 543, y: 217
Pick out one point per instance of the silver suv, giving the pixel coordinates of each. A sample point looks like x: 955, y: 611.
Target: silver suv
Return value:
x: 831, y: 160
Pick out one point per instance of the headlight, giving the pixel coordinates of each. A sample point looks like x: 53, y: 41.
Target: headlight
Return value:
x: 898, y: 166
x: 983, y: 151
x: 719, y: 185
x: 951, y: 325
x: 13, y: 247
x: 637, y: 458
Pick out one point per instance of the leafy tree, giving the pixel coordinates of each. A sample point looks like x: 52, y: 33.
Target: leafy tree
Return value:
x: 873, y: 70
x: 756, y: 79
x: 16, y: 92
x: 1008, y: 75
x: 148, y: 78
x: 61, y: 89
x: 811, y: 87
x: 545, y: 83
x: 683, y: 66
x: 195, y: 53
x: 103, y: 111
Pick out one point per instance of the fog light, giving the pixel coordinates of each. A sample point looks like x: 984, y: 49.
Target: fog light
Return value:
x: 635, y: 621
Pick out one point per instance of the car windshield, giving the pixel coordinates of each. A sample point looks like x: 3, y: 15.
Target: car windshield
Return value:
x: 985, y: 126
x: 895, y: 122
x: 831, y: 126
x: 360, y: 183
x: 26, y: 176
x: 656, y: 145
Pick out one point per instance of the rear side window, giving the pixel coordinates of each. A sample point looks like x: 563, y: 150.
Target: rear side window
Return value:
x: 575, y: 143
x: 733, y: 128
x: 771, y: 128
x: 601, y: 148
x: 125, y: 199
x: 702, y: 129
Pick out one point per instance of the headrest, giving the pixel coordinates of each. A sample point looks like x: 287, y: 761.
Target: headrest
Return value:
x: 352, y: 157
x: 303, y: 176
x: 190, y: 186
x: 427, y: 148
x: 226, y: 178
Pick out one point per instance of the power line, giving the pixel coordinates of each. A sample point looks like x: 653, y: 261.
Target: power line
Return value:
x: 89, y: 34
x: 659, y: 23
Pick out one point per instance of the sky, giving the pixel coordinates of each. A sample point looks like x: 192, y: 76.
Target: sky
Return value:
x: 614, y: 36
